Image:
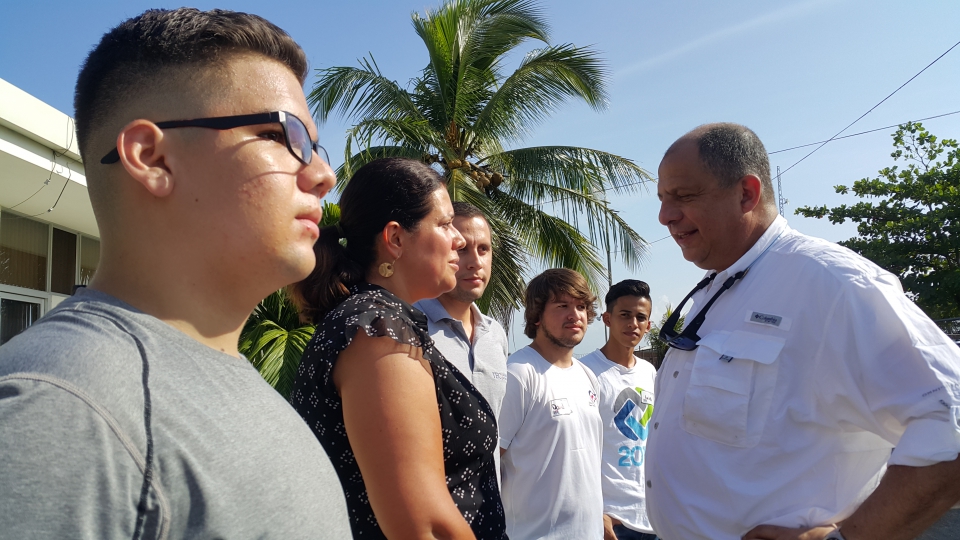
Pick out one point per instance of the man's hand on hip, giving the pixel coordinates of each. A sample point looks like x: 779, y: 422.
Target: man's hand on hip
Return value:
x: 608, y: 523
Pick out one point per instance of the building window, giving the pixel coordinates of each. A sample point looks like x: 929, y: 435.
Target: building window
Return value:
x: 16, y: 316
x: 63, y: 262
x: 23, y: 252
x: 89, y: 258
x: 26, y: 246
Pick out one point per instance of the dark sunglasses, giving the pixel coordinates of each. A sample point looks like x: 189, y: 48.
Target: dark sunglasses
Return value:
x: 294, y: 132
x: 688, y: 339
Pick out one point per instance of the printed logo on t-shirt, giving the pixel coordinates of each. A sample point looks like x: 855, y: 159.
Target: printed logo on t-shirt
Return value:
x: 593, y: 398
x: 560, y: 407
x: 634, y: 408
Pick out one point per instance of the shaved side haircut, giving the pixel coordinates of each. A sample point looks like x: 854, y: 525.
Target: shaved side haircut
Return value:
x: 145, y: 51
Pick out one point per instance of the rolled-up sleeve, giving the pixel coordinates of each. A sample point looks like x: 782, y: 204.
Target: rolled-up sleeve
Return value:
x: 893, y: 372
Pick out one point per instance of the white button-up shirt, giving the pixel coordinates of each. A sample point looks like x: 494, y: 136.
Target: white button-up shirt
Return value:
x: 813, y: 373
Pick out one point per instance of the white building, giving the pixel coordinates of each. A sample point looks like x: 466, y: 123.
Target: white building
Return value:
x: 49, y: 240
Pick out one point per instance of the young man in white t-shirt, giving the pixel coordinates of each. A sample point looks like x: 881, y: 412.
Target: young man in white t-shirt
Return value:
x: 626, y: 405
x: 550, y: 428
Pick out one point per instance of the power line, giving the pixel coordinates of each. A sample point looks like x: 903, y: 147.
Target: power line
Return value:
x: 821, y: 144
x: 863, y: 132
x: 71, y: 131
x: 834, y: 138
x: 872, y: 108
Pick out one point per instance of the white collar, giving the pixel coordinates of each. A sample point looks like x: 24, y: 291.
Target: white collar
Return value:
x: 774, y: 231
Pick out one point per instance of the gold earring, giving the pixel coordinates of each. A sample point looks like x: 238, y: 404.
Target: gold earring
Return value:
x: 386, y: 269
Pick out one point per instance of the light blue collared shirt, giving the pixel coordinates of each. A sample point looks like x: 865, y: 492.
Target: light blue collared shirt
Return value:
x: 483, y: 362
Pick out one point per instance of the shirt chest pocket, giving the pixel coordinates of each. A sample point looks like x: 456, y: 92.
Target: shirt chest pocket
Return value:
x: 731, y: 387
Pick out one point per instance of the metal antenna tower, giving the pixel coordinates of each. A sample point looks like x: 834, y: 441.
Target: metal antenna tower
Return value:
x: 780, y: 200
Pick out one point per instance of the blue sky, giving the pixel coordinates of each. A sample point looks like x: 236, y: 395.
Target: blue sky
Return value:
x: 795, y: 71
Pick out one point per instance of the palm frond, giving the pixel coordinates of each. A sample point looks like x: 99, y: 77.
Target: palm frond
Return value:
x: 499, y: 27
x: 399, y: 131
x: 273, y: 340
x: 354, y: 161
x: 362, y: 92
x: 546, y: 79
x: 550, y: 239
x: 578, y: 169
x: 331, y: 214
x: 465, y: 40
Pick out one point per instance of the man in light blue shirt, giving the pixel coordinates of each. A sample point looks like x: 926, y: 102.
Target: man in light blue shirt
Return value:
x: 471, y: 341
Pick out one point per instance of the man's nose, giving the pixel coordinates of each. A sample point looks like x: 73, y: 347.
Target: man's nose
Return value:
x: 668, y: 213
x: 471, y: 260
x: 317, y: 178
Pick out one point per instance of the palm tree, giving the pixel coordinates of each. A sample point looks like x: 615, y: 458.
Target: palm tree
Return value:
x: 461, y: 113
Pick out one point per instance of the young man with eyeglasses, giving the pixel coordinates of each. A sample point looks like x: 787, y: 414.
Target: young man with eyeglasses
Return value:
x: 127, y: 412
x: 550, y: 426
x: 808, y: 397
x: 626, y: 406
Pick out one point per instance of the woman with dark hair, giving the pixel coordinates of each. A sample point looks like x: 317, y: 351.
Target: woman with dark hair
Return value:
x: 412, y: 440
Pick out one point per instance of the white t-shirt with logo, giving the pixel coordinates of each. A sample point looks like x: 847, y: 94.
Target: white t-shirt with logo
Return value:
x: 550, y: 427
x: 626, y: 405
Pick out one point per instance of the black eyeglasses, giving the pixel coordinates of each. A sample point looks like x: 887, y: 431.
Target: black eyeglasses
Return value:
x: 688, y: 339
x: 294, y: 132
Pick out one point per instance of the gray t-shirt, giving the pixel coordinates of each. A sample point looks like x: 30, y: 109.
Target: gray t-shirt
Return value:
x: 230, y: 458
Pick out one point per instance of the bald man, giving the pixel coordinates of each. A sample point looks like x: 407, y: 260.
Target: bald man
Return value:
x: 807, y: 397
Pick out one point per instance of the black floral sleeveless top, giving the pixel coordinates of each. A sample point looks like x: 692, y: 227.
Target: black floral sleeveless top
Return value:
x: 468, y: 425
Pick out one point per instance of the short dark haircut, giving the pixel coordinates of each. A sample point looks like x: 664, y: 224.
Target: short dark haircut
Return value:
x: 144, y: 50
x: 467, y: 210
x: 384, y: 190
x: 627, y: 287
x: 730, y: 152
x: 552, y: 284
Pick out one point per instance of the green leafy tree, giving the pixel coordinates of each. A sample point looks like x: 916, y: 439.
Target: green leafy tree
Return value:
x: 461, y: 113
x: 913, y: 227
x: 654, y: 335
x: 273, y: 338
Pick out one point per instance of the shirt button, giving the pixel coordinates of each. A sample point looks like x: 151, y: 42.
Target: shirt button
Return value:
x: 649, y: 484
x: 675, y: 373
x: 656, y: 425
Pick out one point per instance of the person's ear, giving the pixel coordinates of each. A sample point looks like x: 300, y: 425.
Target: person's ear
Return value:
x: 393, y: 240
x: 142, y: 151
x: 751, y: 189
x: 605, y: 317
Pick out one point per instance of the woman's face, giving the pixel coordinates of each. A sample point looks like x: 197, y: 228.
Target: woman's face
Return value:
x: 430, y: 258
